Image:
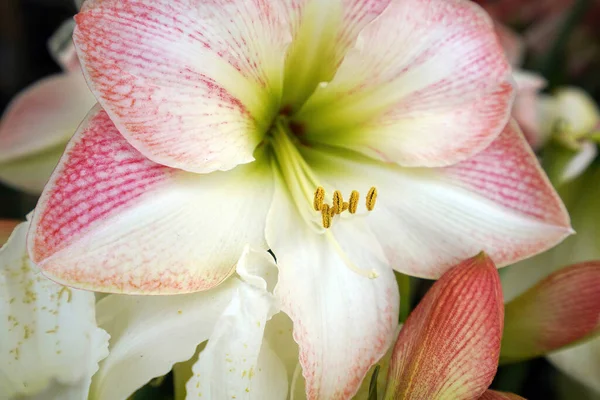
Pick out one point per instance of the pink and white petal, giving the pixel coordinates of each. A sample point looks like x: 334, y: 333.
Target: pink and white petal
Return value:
x: 44, y: 116
x: 426, y: 85
x: 511, y: 43
x: 322, y: 33
x: 343, y: 321
x: 495, y: 395
x: 559, y: 311
x: 151, y: 333
x: 50, y: 340
x: 582, y: 362
x: 111, y: 220
x: 6, y: 228
x: 30, y: 174
x: 237, y: 362
x: 190, y: 84
x: 427, y: 220
x: 449, y: 346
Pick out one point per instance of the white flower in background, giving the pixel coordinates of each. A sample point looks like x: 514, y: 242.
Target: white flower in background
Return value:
x: 38, y: 123
x: 49, y: 342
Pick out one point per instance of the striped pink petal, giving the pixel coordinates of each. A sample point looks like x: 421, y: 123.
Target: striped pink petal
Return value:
x: 449, y: 345
x: 426, y: 85
x: 560, y: 310
x: 195, y: 84
x: 427, y: 220
x: 112, y: 220
x: 190, y: 84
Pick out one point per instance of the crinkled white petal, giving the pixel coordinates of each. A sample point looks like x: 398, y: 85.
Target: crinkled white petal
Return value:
x: 50, y: 343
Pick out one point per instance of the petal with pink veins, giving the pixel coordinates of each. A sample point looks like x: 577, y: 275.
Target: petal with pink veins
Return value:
x: 190, y: 84
x: 561, y: 310
x: 427, y: 84
x: 344, y: 322
x: 448, y: 347
x: 112, y: 220
x: 428, y: 219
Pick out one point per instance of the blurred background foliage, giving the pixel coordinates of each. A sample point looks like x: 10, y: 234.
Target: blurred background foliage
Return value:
x: 568, y: 56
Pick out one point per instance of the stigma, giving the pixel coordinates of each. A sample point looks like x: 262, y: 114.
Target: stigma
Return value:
x: 338, y: 205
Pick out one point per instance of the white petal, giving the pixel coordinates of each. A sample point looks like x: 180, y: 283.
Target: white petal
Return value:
x: 237, y: 362
x: 343, y: 321
x: 151, y: 333
x: 50, y: 341
x: 427, y: 220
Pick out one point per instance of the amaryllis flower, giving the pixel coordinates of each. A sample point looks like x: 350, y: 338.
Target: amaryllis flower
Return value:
x: 39, y: 121
x: 50, y: 344
x: 346, y: 136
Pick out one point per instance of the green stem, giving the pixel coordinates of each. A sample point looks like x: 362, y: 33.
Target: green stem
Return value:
x: 404, y: 283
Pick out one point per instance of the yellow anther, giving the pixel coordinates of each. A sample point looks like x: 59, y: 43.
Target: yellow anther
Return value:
x: 353, y: 203
x: 371, y: 198
x: 345, y: 206
x: 319, y: 197
x: 338, y: 202
x: 325, y: 212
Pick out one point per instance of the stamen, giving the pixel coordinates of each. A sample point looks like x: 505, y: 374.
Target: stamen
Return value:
x: 338, y: 202
x: 371, y: 198
x: 353, y: 204
x: 319, y: 197
x: 326, y: 216
x: 345, y: 206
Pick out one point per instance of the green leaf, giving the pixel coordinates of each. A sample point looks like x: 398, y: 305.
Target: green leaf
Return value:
x: 373, y: 384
